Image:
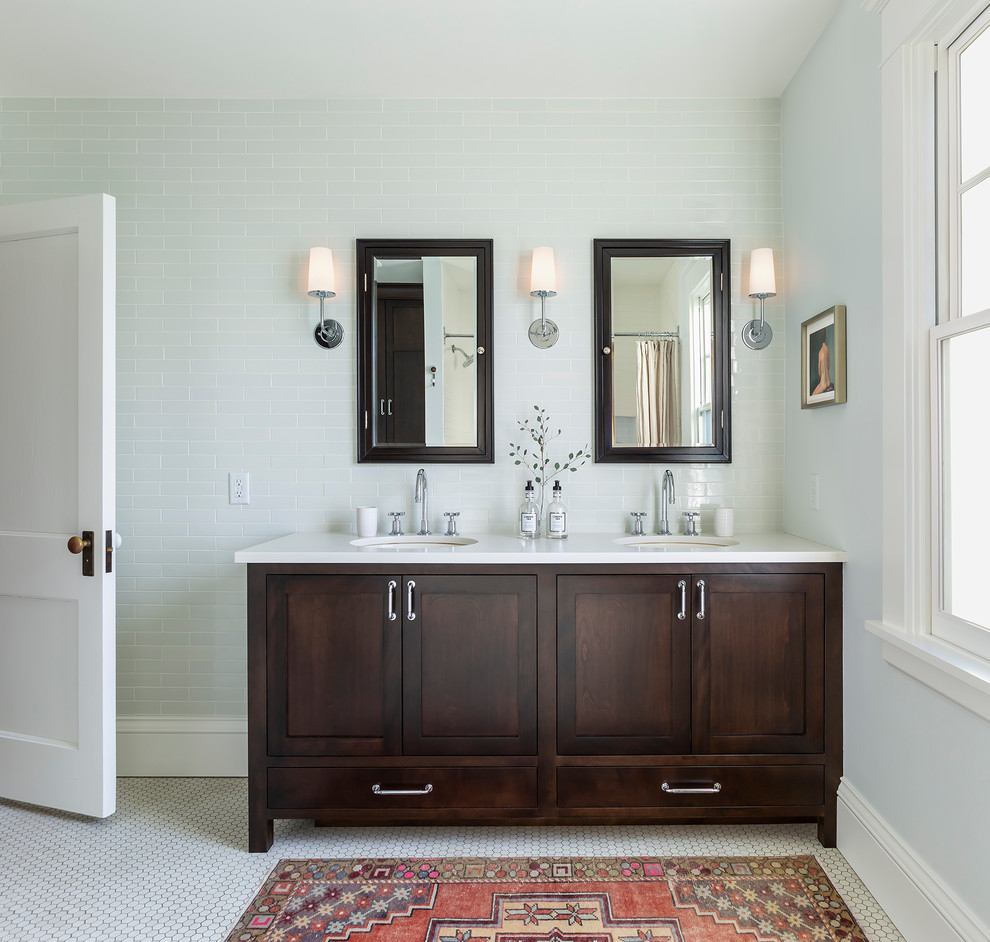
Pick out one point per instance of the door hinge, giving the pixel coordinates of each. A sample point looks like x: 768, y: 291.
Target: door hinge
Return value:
x: 109, y: 552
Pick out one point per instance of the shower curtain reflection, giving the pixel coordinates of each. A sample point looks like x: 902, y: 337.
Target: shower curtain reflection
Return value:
x: 658, y: 419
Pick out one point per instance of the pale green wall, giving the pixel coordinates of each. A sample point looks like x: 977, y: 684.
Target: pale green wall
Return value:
x: 921, y: 762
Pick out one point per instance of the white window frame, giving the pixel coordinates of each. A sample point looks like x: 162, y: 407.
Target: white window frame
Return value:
x: 912, y: 31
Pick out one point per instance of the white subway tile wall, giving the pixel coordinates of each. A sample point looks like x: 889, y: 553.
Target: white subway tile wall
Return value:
x: 218, y: 203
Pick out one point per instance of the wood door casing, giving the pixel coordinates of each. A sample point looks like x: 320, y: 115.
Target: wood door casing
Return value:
x: 334, y: 673
x: 469, y: 666
x: 624, y: 666
x: 760, y: 665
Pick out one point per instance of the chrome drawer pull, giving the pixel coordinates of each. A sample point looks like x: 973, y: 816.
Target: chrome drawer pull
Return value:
x: 425, y: 790
x: 682, y: 614
x: 410, y: 614
x: 701, y: 588
x: 391, y: 600
x: 714, y: 790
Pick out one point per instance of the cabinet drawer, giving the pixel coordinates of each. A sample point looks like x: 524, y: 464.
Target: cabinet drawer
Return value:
x: 448, y: 788
x: 738, y: 786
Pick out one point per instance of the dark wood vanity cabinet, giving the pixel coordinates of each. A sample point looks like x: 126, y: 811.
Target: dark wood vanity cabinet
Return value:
x: 544, y: 694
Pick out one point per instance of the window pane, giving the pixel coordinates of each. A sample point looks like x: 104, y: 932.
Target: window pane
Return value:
x: 974, y: 248
x: 965, y: 458
x: 974, y: 93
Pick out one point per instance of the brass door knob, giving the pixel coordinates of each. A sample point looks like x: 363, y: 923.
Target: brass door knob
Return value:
x: 77, y: 544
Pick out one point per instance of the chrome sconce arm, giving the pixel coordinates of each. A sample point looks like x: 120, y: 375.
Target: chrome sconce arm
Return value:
x: 543, y: 333
x: 328, y: 333
x: 762, y: 284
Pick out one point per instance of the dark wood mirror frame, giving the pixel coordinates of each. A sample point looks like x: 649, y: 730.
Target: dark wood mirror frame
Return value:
x: 368, y: 448
x: 716, y: 249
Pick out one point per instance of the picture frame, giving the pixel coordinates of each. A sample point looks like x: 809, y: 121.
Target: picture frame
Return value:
x: 823, y: 358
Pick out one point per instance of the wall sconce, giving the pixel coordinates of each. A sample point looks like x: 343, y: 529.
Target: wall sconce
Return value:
x: 762, y: 284
x: 321, y: 284
x: 543, y: 284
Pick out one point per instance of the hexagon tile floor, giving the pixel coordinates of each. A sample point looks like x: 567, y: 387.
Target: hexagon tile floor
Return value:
x: 172, y: 864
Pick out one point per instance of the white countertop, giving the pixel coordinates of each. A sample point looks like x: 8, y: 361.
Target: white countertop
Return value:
x: 577, y: 548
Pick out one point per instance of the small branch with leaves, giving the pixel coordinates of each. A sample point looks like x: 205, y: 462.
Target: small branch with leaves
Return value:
x: 536, y: 457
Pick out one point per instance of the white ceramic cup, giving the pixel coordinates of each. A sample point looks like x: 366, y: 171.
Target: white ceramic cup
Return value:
x: 367, y: 521
x: 724, y: 521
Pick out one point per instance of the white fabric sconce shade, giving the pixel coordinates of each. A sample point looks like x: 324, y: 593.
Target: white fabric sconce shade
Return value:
x: 321, y: 285
x: 544, y: 276
x: 762, y: 283
x: 321, y: 271
x: 543, y: 284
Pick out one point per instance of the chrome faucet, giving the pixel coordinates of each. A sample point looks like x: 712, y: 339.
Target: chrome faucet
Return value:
x: 668, y: 485
x: 423, y: 497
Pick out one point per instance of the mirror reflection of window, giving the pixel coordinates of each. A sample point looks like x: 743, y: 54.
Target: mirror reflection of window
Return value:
x: 662, y: 386
x: 700, y: 360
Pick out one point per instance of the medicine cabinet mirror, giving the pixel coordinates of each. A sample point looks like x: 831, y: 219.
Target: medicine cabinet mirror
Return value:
x: 662, y: 350
x: 424, y: 350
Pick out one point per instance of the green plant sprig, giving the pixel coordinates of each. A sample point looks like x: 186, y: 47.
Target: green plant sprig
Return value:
x: 537, y: 457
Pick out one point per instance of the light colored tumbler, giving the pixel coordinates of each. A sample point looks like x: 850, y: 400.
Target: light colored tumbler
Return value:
x: 724, y: 521
x: 367, y: 521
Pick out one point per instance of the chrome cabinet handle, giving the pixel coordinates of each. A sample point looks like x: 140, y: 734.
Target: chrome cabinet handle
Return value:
x: 682, y: 585
x: 390, y: 407
x: 385, y: 792
x: 391, y: 600
x: 381, y: 407
x: 410, y: 614
x: 670, y: 790
x: 701, y: 600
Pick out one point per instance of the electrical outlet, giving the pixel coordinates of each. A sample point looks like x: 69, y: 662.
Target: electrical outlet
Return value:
x: 814, y: 490
x: 240, y: 487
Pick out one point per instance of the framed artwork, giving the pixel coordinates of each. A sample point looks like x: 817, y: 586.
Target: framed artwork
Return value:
x: 823, y: 358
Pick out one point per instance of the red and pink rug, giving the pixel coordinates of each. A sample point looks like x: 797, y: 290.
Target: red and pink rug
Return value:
x: 579, y: 899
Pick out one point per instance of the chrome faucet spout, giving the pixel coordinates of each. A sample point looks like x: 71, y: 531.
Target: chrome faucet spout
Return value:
x: 423, y: 497
x: 666, y: 497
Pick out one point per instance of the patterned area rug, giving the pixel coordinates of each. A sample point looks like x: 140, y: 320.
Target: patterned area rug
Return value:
x: 580, y: 899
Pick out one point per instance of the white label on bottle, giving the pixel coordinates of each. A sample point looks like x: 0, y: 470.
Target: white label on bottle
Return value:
x: 527, y: 523
x: 557, y: 522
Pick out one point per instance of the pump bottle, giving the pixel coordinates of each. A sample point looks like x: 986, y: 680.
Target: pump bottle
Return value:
x: 529, y: 515
x: 556, y: 516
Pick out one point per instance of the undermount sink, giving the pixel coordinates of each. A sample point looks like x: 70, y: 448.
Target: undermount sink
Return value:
x: 412, y: 541
x: 676, y: 541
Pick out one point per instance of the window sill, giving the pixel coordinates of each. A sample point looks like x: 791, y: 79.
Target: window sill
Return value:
x: 946, y: 669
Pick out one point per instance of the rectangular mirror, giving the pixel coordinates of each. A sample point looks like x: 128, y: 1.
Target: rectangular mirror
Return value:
x: 424, y: 350
x: 662, y: 350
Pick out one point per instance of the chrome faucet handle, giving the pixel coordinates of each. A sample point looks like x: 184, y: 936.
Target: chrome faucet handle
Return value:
x: 691, y: 522
x: 637, y: 516
x: 396, y: 522
x: 451, y: 522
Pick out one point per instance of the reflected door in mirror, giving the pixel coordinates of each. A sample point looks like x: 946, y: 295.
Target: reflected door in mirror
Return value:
x: 401, y: 365
x: 424, y: 341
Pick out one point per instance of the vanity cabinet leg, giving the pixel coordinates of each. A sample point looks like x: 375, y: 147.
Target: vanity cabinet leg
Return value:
x: 826, y: 827
x: 261, y: 834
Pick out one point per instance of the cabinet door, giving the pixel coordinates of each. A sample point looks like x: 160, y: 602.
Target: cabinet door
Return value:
x: 469, y: 665
x: 333, y: 666
x: 759, y: 669
x: 624, y: 665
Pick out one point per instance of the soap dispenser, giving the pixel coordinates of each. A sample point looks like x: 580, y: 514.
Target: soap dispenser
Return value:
x: 529, y: 515
x: 556, y: 516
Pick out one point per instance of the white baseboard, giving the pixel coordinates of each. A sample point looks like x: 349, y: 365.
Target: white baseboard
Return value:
x: 922, y: 907
x: 181, y: 746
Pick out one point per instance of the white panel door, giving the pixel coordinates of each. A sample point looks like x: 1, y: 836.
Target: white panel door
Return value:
x: 57, y: 444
